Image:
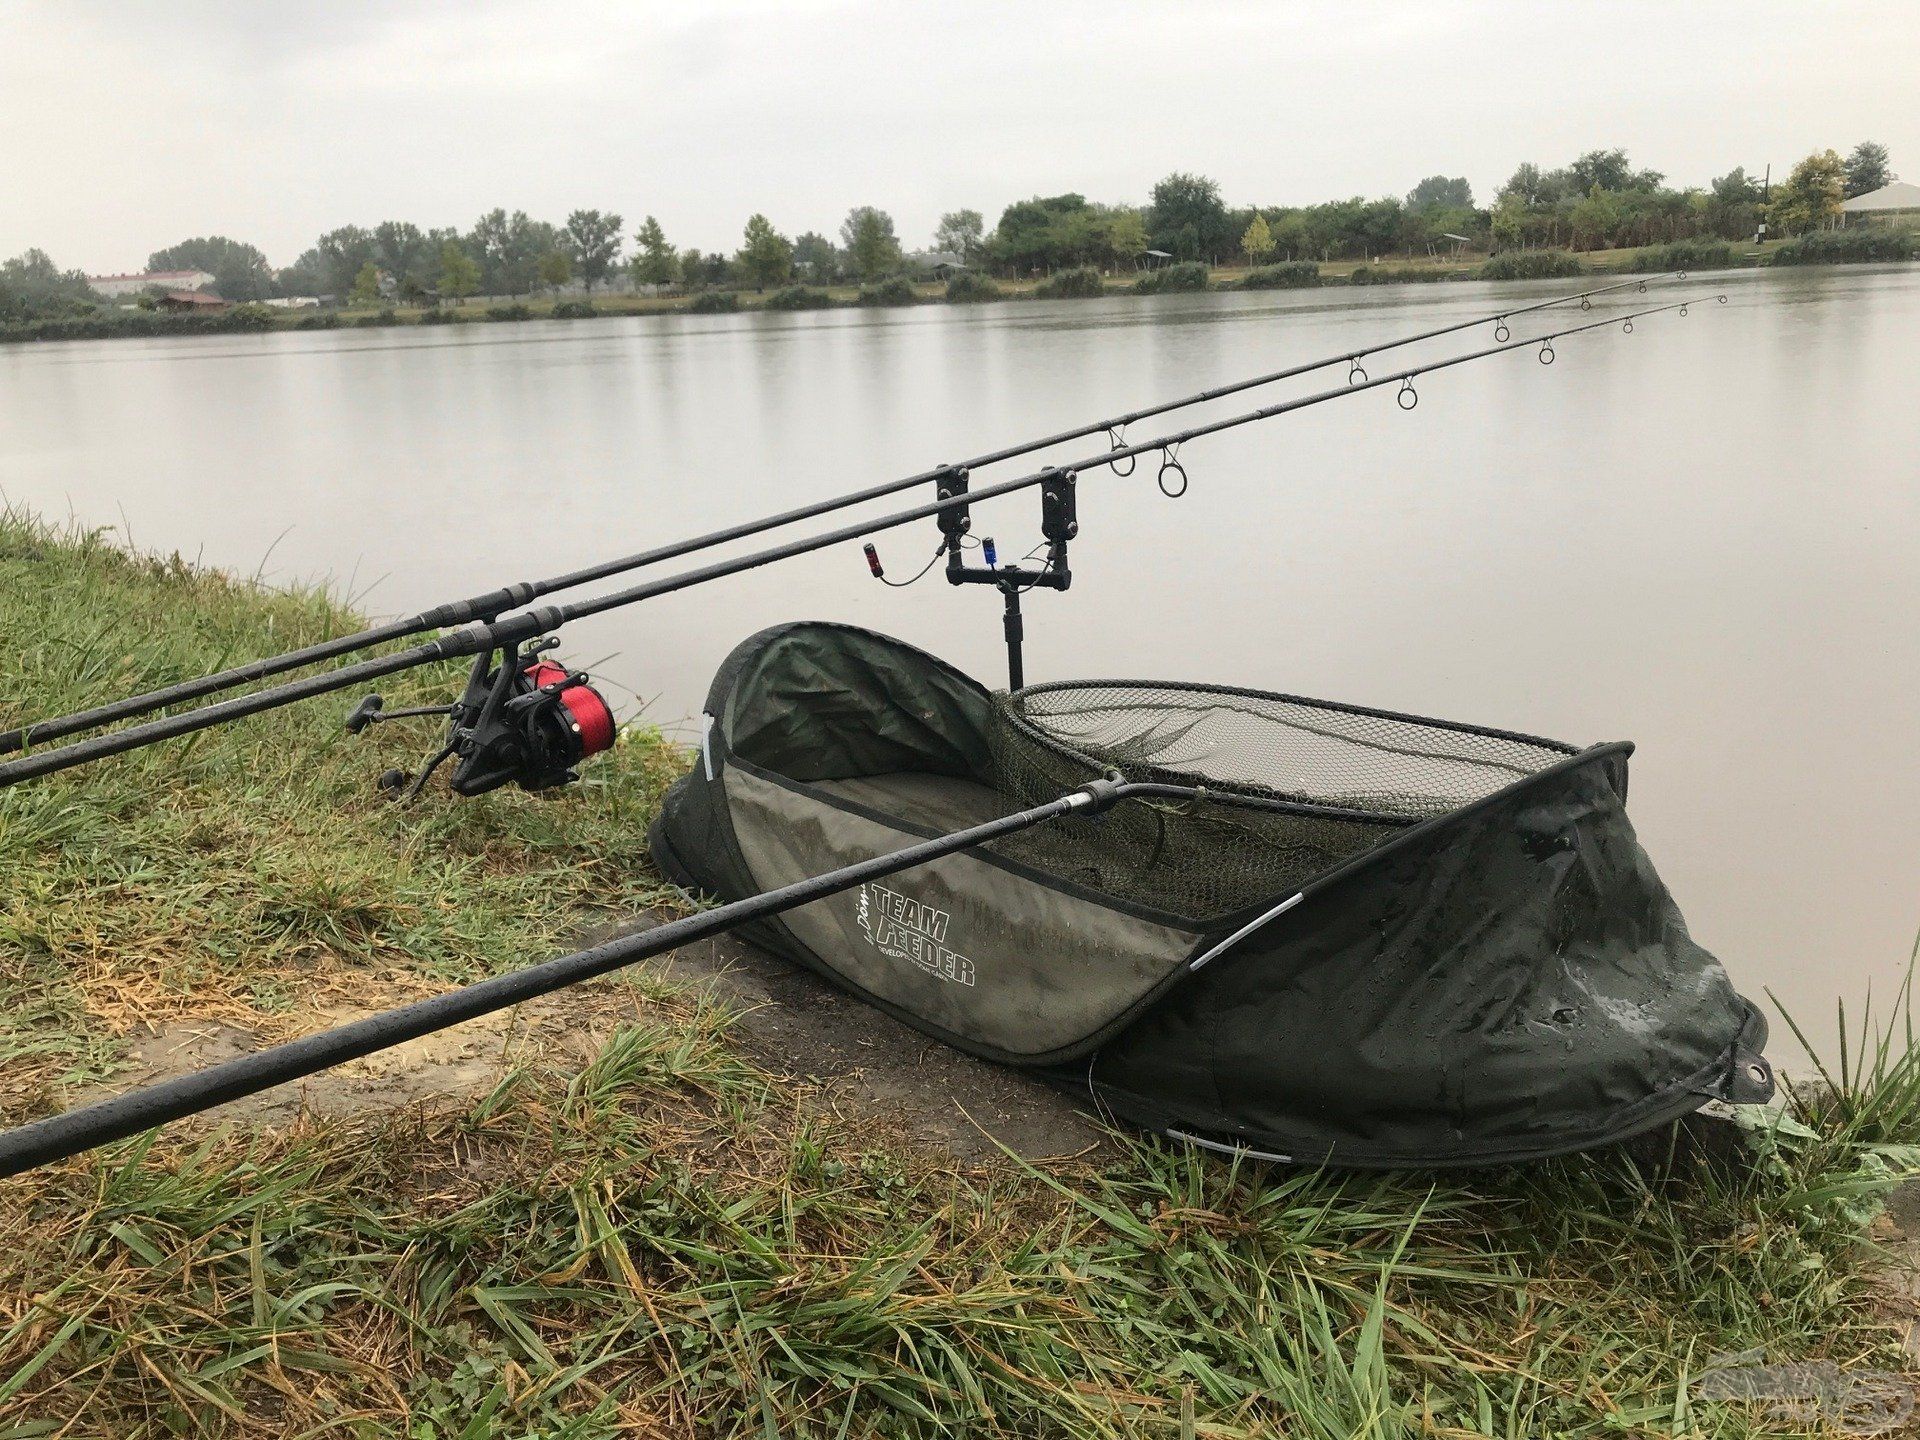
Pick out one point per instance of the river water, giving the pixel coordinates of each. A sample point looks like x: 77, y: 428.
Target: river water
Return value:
x: 1704, y: 536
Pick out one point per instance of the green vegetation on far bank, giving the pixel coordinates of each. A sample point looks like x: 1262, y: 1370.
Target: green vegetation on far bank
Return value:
x: 1185, y: 237
x: 655, y: 1237
x: 1876, y: 245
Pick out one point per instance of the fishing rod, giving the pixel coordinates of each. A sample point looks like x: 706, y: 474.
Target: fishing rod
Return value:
x: 58, y: 1136
x: 494, y: 603
x: 528, y: 721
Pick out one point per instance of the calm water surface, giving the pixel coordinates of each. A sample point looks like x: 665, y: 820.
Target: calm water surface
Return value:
x: 1704, y: 537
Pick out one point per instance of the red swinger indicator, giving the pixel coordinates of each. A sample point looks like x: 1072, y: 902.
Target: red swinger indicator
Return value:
x: 873, y: 562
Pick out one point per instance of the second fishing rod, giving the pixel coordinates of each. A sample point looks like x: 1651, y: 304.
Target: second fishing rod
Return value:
x: 494, y: 603
x: 528, y: 721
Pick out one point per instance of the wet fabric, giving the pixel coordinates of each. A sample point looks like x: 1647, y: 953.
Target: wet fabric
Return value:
x: 1496, y: 977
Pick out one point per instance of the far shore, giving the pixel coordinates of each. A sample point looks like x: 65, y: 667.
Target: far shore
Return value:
x: 891, y: 293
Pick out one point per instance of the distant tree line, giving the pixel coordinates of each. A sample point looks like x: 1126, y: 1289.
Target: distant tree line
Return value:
x: 1597, y: 201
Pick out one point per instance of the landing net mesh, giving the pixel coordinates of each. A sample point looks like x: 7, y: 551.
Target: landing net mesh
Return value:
x: 1293, y: 786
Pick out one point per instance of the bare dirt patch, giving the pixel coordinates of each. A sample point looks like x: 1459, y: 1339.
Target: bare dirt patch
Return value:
x: 846, y: 1058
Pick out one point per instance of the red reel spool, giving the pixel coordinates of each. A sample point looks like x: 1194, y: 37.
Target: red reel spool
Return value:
x: 588, y: 715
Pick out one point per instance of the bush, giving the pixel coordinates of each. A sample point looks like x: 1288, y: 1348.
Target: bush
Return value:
x: 714, y: 302
x: 117, y: 323
x: 1184, y: 278
x: 509, y: 312
x: 573, y: 310
x: 379, y: 317
x: 1290, y: 275
x: 1845, y: 247
x: 799, y: 297
x: 1685, y: 255
x: 439, y: 317
x: 1396, y: 275
x: 895, y: 290
x: 1082, y: 284
x: 967, y: 288
x: 319, y: 320
x: 1531, y: 265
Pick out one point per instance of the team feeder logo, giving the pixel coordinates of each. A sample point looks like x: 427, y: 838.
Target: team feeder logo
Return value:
x: 904, y: 929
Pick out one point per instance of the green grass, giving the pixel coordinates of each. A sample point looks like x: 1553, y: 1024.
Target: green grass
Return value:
x: 665, y: 1241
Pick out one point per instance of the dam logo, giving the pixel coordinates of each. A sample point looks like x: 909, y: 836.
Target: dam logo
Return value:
x: 901, y: 928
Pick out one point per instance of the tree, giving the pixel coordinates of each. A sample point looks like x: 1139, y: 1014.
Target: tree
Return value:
x: 459, y: 272
x: 487, y: 242
x: 1258, y: 239
x: 32, y: 286
x: 654, y: 261
x: 593, y: 243
x: 1811, y: 195
x: 1188, y: 218
x: 1609, y: 170
x: 1868, y: 168
x: 1731, y: 206
x: 338, y: 256
x: 1127, y: 235
x: 867, y: 236
x: 366, y: 286
x: 697, y: 269
x: 1506, y: 226
x: 816, y: 259
x: 1594, y: 219
x: 767, y: 257
x: 509, y: 248
x: 404, y: 251
x: 1438, y: 192
x: 1034, y: 234
x: 555, y: 268
x: 960, y: 232
x: 240, y: 272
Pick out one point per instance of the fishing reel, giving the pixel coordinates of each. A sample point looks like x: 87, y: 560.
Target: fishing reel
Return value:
x: 521, y: 720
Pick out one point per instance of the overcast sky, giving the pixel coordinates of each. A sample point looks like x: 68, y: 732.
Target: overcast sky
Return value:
x: 129, y: 126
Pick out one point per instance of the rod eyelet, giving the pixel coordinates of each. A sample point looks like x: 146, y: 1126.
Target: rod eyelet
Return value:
x: 1117, y: 441
x: 1626, y: 326
x: 1501, y: 334
x: 1546, y: 353
x: 1356, y: 372
x: 1407, y: 397
x: 1170, y: 467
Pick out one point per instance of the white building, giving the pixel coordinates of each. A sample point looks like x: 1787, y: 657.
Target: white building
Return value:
x: 116, y: 287
x: 1898, y: 201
